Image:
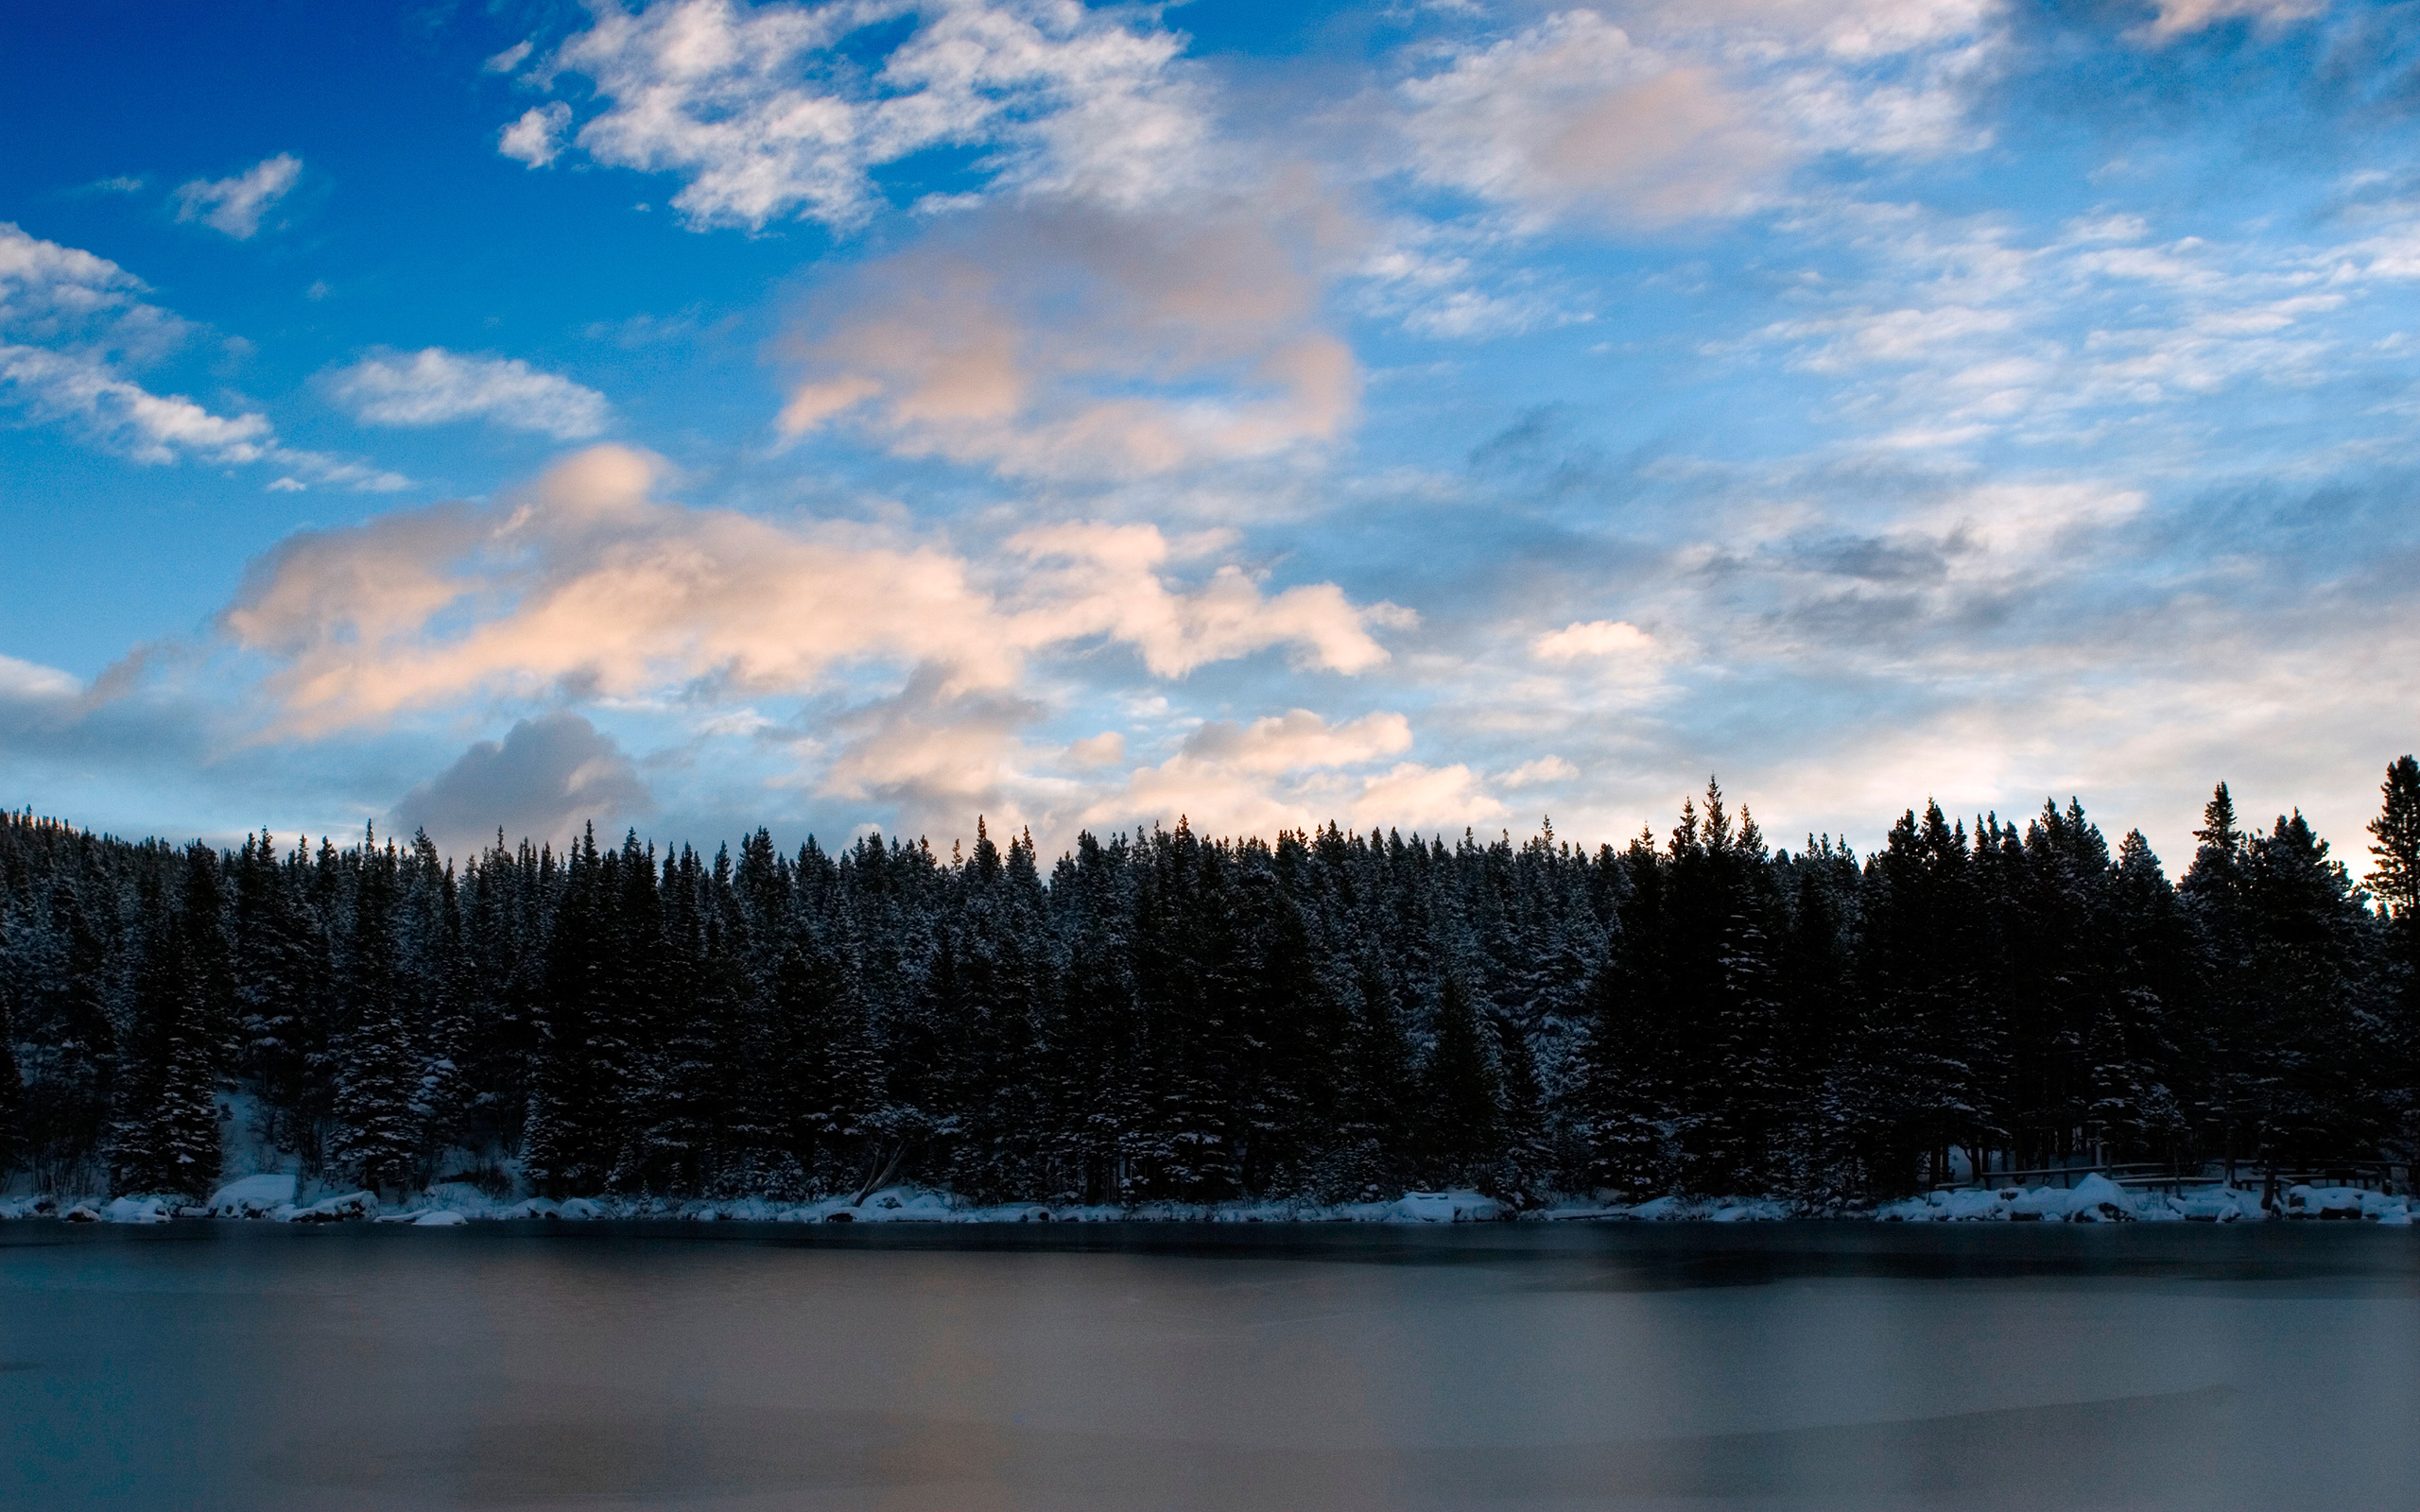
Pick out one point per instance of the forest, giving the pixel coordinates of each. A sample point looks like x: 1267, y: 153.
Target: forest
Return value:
x: 1162, y: 1015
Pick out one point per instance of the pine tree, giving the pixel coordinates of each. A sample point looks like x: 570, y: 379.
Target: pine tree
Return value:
x: 2396, y: 841
x: 2396, y: 880
x: 1463, y: 1089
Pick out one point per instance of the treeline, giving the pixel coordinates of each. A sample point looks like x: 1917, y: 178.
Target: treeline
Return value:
x: 1166, y: 1015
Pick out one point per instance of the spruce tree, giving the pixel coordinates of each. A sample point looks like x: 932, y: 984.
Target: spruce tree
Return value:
x: 375, y: 1136
x: 12, y: 1094
x: 165, y: 1138
x: 1463, y: 1090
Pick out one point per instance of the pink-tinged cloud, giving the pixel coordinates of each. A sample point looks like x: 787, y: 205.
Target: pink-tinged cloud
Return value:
x: 586, y: 584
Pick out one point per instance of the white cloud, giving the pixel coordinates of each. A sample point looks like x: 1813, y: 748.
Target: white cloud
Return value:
x: 236, y: 205
x: 537, y: 137
x: 764, y: 115
x: 70, y: 321
x: 509, y: 60
x: 31, y: 682
x: 1594, y: 638
x: 433, y: 386
x: 1544, y: 770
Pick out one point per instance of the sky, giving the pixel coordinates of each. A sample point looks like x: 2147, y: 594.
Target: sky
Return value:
x: 1427, y: 416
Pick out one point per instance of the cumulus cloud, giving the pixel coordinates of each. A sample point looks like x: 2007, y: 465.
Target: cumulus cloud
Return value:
x: 433, y: 386
x: 70, y: 322
x: 548, y: 777
x: 1062, y: 340
x: 536, y: 138
x: 1594, y: 638
x: 236, y: 205
x: 765, y: 115
x: 585, y: 582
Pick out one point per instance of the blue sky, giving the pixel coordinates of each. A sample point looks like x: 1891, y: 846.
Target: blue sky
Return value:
x: 698, y: 414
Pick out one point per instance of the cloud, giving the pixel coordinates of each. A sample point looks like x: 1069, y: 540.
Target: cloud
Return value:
x: 1543, y: 769
x: 584, y: 583
x: 1300, y: 738
x: 433, y: 386
x: 236, y: 205
x: 1651, y: 114
x: 548, y: 777
x: 29, y: 682
x: 1571, y: 113
x: 509, y: 60
x: 2178, y: 18
x: 537, y: 137
x: 767, y: 115
x: 1061, y: 340
x: 1594, y: 638
x: 1285, y: 772
x: 70, y: 321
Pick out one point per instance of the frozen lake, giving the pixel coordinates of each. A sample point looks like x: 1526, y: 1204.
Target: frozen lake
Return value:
x: 1129, y: 1367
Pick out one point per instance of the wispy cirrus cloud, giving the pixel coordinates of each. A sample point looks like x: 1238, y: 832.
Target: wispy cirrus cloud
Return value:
x: 236, y: 205
x: 70, y: 324
x: 434, y: 386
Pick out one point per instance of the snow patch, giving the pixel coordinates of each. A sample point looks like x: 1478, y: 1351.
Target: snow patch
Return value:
x: 254, y: 1197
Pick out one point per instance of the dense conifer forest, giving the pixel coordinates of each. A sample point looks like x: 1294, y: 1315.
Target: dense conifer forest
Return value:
x: 1165, y: 1016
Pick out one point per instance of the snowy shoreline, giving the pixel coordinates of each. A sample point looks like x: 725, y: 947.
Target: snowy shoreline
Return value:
x: 275, y: 1198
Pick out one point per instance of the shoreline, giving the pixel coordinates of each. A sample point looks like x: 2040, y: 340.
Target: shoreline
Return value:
x: 275, y: 1198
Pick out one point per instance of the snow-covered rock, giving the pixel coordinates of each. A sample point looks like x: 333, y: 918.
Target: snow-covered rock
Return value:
x: 438, y: 1218
x: 580, y: 1209
x: 2216, y: 1203
x: 136, y: 1210
x: 349, y: 1208
x: 254, y: 1196
x: 1447, y: 1207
